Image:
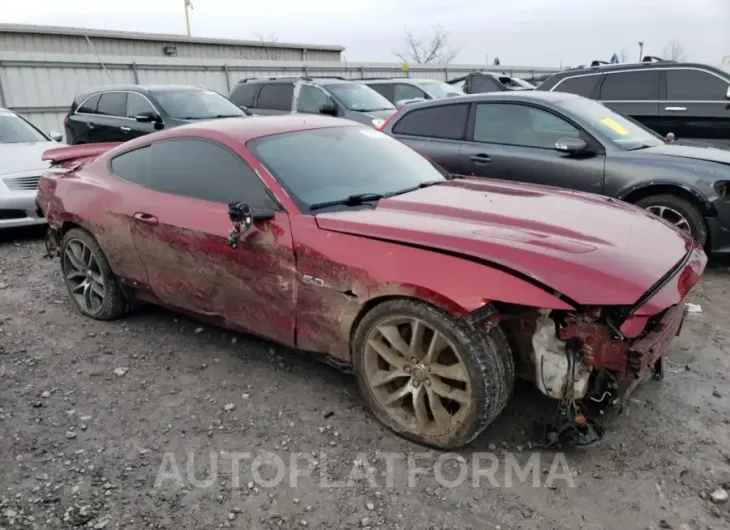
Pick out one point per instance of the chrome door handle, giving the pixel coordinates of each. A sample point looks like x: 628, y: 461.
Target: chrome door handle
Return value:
x: 675, y: 109
x: 125, y: 129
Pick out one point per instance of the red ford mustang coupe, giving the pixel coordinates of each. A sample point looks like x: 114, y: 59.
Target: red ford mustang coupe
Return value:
x: 333, y: 238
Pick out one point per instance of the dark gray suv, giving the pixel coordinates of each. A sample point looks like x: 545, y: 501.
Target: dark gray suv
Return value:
x: 333, y: 96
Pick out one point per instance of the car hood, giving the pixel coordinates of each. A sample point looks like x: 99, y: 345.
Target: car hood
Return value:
x: 23, y: 157
x: 711, y: 154
x: 594, y: 250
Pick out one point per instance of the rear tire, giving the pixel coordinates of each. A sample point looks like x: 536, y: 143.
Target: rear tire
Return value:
x: 678, y: 211
x: 442, y: 399
x: 90, y: 281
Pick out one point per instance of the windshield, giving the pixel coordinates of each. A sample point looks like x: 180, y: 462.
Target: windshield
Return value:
x: 323, y: 165
x: 196, y: 104
x: 360, y: 98
x: 15, y: 130
x: 439, y: 90
x: 623, y: 132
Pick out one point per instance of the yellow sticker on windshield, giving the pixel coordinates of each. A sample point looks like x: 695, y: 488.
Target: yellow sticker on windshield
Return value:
x: 615, y: 126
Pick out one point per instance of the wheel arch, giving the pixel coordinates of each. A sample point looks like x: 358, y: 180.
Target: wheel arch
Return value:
x: 684, y: 191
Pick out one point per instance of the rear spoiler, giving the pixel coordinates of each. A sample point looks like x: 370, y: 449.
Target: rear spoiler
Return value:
x: 73, y: 155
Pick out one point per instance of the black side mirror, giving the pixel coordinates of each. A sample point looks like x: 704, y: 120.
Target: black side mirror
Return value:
x: 572, y: 146
x: 242, y: 217
x: 329, y: 109
x: 147, y: 117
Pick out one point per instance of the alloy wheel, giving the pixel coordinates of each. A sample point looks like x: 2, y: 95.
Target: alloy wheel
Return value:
x: 672, y: 216
x: 83, y: 275
x: 417, y: 376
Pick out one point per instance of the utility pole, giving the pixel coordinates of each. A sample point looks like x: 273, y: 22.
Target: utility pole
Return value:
x: 188, y: 5
x: 641, y: 50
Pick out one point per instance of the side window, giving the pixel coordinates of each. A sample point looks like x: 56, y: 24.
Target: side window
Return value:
x: 112, y: 104
x: 631, y: 86
x: 444, y: 121
x: 481, y: 84
x: 276, y: 96
x: 311, y: 99
x: 520, y: 125
x: 137, y: 104
x: 695, y: 85
x: 384, y: 89
x: 133, y: 166
x: 244, y: 94
x: 89, y: 106
x: 205, y: 170
x: 406, y: 91
x: 581, y: 86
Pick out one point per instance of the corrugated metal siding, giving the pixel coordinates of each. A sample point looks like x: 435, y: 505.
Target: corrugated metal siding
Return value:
x: 42, y: 85
x: 78, y: 45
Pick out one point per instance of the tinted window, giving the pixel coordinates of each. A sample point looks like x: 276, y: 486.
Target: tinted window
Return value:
x: 520, y: 125
x: 204, y: 170
x: 582, y: 86
x: 405, y: 91
x: 137, y: 104
x: 133, y: 166
x: 631, y: 86
x: 384, y: 89
x: 14, y: 129
x: 482, y: 83
x: 89, y: 106
x: 196, y: 104
x: 322, y: 165
x: 244, y: 94
x: 447, y: 121
x: 695, y: 85
x: 311, y: 99
x: 112, y: 104
x: 276, y: 96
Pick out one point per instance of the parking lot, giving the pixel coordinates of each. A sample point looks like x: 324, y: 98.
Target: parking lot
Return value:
x: 95, y: 419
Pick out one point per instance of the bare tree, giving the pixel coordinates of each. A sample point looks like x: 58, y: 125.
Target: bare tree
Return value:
x: 622, y: 56
x: 674, y: 51
x: 433, y: 47
x: 270, y: 53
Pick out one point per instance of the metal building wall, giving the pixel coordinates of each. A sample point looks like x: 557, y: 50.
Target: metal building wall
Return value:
x: 41, y: 86
x: 22, y: 38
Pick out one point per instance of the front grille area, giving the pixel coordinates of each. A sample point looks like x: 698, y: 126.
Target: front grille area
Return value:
x: 23, y: 183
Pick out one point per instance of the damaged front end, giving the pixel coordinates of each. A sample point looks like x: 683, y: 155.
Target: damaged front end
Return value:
x: 594, y: 357
x: 582, y: 360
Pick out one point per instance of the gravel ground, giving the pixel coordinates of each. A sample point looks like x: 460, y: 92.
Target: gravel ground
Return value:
x: 145, y: 423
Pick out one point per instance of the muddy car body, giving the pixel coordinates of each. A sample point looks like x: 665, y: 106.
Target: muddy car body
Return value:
x: 435, y: 290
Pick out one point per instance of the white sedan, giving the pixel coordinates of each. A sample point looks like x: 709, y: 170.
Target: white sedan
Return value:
x: 21, y: 147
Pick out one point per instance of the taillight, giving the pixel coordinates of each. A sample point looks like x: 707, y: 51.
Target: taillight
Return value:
x: 65, y: 121
x: 386, y: 122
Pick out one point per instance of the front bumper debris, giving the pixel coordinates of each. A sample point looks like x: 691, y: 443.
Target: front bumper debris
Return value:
x: 53, y: 243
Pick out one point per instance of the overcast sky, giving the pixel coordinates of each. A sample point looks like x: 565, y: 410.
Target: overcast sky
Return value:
x: 519, y: 32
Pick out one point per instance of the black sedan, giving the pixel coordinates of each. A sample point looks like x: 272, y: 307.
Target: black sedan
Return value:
x: 573, y: 142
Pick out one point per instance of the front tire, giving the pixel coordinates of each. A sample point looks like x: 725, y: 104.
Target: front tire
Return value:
x: 679, y: 212
x: 90, y: 281
x: 431, y: 378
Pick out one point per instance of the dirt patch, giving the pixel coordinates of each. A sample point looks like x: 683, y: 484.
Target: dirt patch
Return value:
x: 91, y: 413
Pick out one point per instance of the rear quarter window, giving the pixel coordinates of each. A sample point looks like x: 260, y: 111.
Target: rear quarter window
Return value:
x: 581, y: 86
x: 444, y: 121
x: 244, y: 94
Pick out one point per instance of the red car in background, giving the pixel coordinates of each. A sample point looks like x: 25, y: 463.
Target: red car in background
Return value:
x: 331, y: 237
